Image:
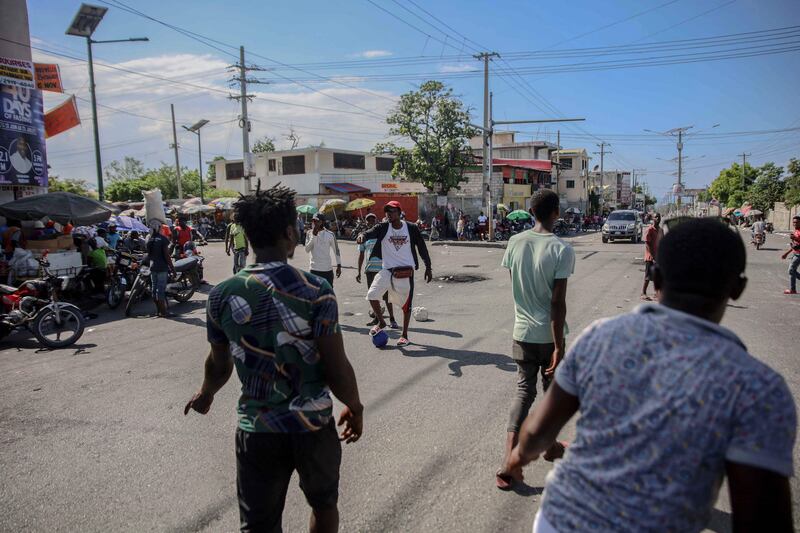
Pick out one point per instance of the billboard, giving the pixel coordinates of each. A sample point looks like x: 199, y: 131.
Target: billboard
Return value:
x: 16, y: 72
x: 23, y: 160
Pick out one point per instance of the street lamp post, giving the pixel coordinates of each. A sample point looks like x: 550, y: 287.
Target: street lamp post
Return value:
x: 195, y: 128
x: 83, y: 25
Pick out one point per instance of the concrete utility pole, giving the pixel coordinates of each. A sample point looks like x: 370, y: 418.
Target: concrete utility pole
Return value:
x: 244, y: 122
x: 633, y: 182
x: 175, y: 146
x: 558, y: 159
x: 487, y: 139
x: 744, y: 162
x: 602, y: 153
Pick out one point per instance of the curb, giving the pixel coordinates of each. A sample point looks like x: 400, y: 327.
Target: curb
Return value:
x: 471, y: 244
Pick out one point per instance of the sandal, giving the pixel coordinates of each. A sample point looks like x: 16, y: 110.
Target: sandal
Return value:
x: 503, y: 481
x: 402, y: 342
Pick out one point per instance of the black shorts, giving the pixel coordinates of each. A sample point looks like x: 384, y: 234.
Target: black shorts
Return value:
x: 648, y: 270
x: 327, y: 275
x: 370, y: 277
x: 265, y: 463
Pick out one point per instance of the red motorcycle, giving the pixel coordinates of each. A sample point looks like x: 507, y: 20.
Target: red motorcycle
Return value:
x: 35, y: 306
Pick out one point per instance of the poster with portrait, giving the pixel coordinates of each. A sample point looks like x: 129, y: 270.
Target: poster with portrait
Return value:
x: 23, y: 160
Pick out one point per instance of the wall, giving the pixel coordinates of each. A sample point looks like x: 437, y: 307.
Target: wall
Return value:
x: 781, y: 216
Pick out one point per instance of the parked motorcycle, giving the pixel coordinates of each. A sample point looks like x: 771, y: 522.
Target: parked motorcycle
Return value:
x: 123, y: 275
x: 35, y: 306
x: 561, y: 227
x: 181, y: 284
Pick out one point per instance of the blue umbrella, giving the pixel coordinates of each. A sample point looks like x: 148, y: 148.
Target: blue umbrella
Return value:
x: 126, y: 223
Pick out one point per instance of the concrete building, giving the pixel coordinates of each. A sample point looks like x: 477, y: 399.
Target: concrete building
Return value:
x: 571, y: 177
x: 320, y: 173
x: 504, y: 146
x: 616, y: 188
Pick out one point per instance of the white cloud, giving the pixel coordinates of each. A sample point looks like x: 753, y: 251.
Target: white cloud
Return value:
x: 71, y: 154
x: 373, y: 54
x: 456, y: 68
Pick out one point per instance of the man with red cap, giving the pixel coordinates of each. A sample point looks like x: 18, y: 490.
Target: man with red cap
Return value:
x: 397, y: 245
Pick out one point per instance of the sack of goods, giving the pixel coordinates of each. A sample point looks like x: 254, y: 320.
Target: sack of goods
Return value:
x: 420, y: 314
x: 154, y: 207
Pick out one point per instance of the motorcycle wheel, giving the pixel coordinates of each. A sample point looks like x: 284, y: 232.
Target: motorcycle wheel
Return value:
x: 115, y: 293
x: 133, y: 297
x: 189, y: 284
x: 49, y: 333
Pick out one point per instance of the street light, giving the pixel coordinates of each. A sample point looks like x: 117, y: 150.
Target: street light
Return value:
x: 195, y: 128
x: 83, y: 25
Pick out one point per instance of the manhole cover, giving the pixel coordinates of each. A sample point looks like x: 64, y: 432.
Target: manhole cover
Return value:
x: 461, y: 278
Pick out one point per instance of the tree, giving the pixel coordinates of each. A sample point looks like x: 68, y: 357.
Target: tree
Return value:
x: 130, y: 168
x: 792, y: 183
x: 768, y: 187
x: 730, y: 187
x: 163, y: 178
x: 211, y: 175
x: 438, y: 124
x: 264, y: 145
x: 76, y: 186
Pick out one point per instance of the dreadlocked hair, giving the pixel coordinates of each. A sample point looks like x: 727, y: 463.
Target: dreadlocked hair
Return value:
x: 265, y: 215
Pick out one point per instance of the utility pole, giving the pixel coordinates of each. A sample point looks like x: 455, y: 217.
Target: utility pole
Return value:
x: 744, y: 162
x: 558, y: 159
x: 602, y: 153
x: 244, y: 122
x: 175, y: 146
x: 487, y: 138
x: 633, y: 183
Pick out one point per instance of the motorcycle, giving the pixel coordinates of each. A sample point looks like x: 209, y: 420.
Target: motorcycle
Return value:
x: 181, y: 284
x: 758, y: 240
x: 561, y: 227
x: 123, y: 275
x: 35, y: 306
x: 216, y: 231
x: 769, y: 227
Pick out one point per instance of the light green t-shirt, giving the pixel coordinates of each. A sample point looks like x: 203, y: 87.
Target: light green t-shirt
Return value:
x: 536, y: 260
x: 239, y: 239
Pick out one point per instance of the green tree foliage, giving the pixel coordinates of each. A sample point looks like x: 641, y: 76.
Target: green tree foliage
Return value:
x: 730, y: 187
x: 162, y: 178
x: 56, y: 184
x: 127, y: 169
x: 767, y: 188
x: 792, y: 183
x: 437, y: 123
x: 211, y: 175
x: 264, y: 145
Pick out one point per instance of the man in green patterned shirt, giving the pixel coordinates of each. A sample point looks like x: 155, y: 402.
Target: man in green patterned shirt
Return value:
x: 278, y: 326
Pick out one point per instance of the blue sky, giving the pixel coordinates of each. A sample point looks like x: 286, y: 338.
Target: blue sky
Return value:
x: 742, y: 95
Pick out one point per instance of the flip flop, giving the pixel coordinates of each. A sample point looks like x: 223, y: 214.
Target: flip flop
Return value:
x: 374, y: 331
x: 503, y: 481
x: 403, y: 342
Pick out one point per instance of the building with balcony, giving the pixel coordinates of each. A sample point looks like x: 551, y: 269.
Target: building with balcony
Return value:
x: 571, y: 177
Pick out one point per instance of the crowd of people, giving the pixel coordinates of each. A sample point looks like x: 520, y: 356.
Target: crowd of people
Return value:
x: 670, y: 401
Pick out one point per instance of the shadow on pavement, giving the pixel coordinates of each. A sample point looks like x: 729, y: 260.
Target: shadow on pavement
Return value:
x: 461, y: 358
x: 411, y: 330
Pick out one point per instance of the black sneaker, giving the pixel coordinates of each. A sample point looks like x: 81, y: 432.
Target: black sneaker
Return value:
x: 373, y: 322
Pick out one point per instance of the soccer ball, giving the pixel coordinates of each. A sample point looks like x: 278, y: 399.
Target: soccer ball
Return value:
x: 420, y: 314
x: 381, y: 339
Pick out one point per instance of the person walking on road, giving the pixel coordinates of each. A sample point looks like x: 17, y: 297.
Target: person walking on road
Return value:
x: 158, y: 255
x: 651, y: 238
x: 483, y: 227
x: 670, y: 402
x: 539, y: 264
x: 278, y: 327
x: 236, y: 241
x: 794, y: 249
x: 319, y: 244
x: 374, y: 266
x: 397, y: 243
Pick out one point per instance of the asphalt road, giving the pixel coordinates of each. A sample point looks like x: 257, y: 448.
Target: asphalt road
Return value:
x: 93, y: 438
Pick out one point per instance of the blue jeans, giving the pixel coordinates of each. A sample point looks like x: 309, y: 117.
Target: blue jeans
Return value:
x: 158, y: 281
x: 793, y: 272
x: 239, y: 259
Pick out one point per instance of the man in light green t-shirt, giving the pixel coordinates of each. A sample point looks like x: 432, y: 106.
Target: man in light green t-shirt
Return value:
x: 539, y: 264
x: 236, y: 242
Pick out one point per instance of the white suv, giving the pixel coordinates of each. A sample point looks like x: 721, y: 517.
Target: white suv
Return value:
x: 623, y: 224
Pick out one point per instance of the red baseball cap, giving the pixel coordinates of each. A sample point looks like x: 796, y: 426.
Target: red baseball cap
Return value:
x: 393, y: 204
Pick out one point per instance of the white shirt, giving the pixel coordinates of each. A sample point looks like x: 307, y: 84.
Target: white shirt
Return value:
x: 758, y: 226
x: 396, y: 248
x: 482, y: 219
x: 319, y: 246
x: 101, y: 242
x: 20, y: 163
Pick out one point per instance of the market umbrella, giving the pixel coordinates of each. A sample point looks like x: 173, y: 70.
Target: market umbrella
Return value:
x: 755, y: 212
x: 306, y: 209
x: 519, y: 214
x: 359, y: 203
x: 62, y: 207
x: 224, y: 204
x: 502, y: 207
x: 331, y: 205
x: 126, y: 223
x: 573, y: 211
x: 194, y: 209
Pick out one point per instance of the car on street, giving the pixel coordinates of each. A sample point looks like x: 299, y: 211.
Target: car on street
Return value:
x: 623, y: 224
